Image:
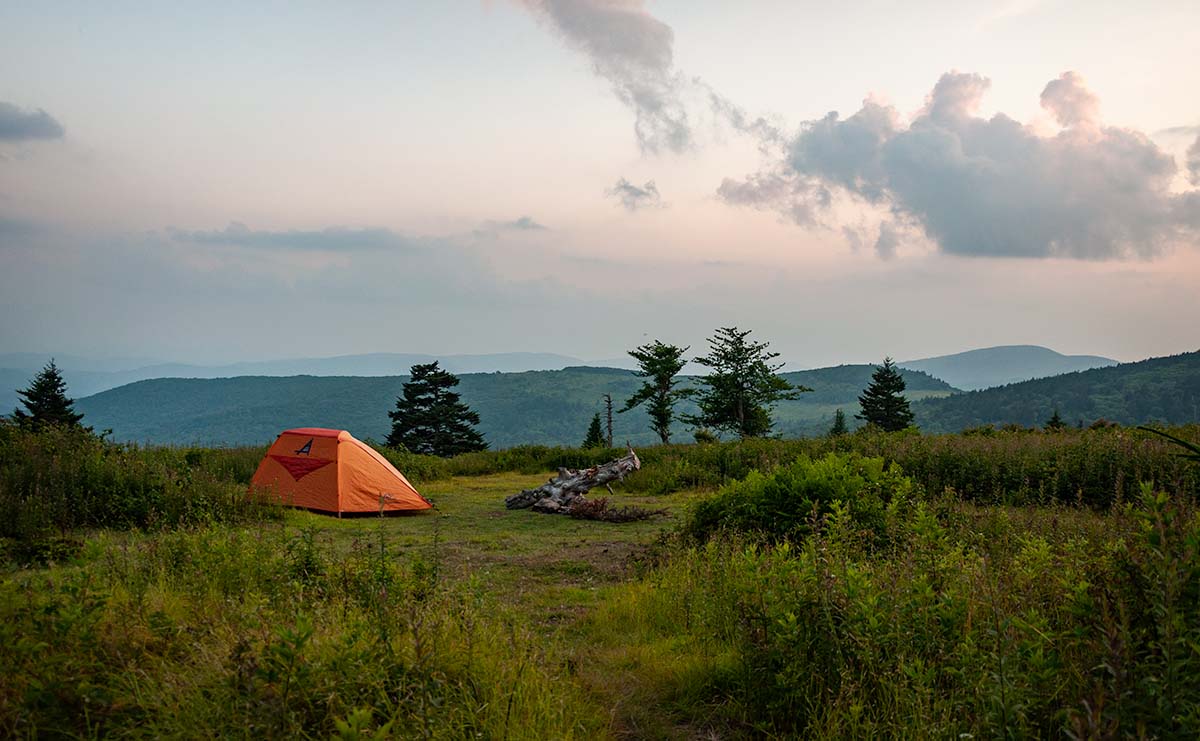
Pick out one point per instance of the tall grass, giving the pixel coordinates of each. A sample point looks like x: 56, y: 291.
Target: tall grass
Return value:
x: 993, y: 622
x: 269, y: 632
x: 1096, y: 467
x: 63, y: 480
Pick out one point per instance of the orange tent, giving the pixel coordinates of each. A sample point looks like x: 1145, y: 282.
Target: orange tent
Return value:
x: 330, y: 471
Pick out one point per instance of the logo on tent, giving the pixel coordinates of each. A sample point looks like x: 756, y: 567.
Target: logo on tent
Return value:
x: 300, y: 467
x: 306, y: 448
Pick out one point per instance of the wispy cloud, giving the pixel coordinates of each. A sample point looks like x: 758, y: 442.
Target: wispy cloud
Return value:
x: 521, y: 224
x: 20, y: 125
x: 633, y: 51
x: 979, y: 186
x: 633, y: 197
x: 332, y: 239
x: 1193, y: 161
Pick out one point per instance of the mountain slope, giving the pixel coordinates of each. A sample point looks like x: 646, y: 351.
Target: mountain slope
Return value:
x: 997, y: 366
x: 548, y: 407
x: 1159, y: 389
x: 86, y: 377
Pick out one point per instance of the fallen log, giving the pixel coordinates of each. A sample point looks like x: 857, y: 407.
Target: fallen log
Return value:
x: 559, y: 493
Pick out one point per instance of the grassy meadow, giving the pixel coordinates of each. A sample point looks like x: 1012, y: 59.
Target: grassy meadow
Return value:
x: 998, y: 584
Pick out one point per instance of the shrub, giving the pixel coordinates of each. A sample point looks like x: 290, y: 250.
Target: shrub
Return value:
x: 61, y: 479
x: 795, y: 498
x: 974, y: 622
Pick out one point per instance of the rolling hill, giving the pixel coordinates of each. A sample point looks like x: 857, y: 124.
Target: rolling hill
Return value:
x: 1159, y: 389
x: 1005, y: 364
x: 548, y: 407
x: 88, y: 376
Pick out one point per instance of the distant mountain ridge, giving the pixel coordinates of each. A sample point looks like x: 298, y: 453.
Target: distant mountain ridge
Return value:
x: 87, y: 376
x: 1163, y: 389
x: 997, y: 366
x: 534, y: 407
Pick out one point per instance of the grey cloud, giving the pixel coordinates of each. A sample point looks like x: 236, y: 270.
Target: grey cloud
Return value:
x: 523, y: 223
x: 20, y: 125
x: 332, y: 239
x: 979, y: 186
x: 1180, y: 131
x: 888, y: 241
x: 1193, y: 161
x: 633, y: 197
x: 778, y: 190
x: 632, y: 50
x: 769, y: 134
x: 1069, y: 101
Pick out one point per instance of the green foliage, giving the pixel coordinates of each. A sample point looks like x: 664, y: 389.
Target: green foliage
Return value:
x: 430, y: 418
x: 660, y: 364
x: 967, y: 623
x: 839, y: 424
x: 537, y: 407
x: 595, y: 434
x: 46, y: 402
x: 1163, y: 390
x: 1055, y: 423
x: 1092, y: 467
x: 883, y: 402
x: 798, y: 497
x: 220, y: 632
x: 738, y: 393
x: 59, y: 479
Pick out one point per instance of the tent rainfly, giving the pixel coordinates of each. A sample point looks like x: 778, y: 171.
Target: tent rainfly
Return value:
x: 330, y: 471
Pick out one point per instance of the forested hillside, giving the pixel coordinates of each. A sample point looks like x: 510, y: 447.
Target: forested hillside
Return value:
x: 1159, y: 389
x: 546, y: 407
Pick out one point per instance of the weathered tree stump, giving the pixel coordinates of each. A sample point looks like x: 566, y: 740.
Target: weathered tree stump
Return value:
x: 559, y: 493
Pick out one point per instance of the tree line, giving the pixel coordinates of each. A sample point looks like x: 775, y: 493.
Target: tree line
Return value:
x: 736, y: 397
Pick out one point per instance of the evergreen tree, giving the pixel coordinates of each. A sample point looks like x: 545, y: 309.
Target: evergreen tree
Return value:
x: 1055, y: 423
x: 659, y: 364
x: 429, y: 418
x: 839, y: 424
x: 883, y: 402
x: 737, y: 395
x: 608, y: 412
x: 46, y: 402
x: 595, y: 434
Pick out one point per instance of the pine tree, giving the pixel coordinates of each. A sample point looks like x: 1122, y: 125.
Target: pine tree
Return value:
x: 430, y: 418
x: 608, y: 412
x: 595, y: 434
x: 659, y: 363
x: 1055, y: 423
x: 46, y: 402
x: 883, y: 402
x: 839, y: 424
x: 737, y: 395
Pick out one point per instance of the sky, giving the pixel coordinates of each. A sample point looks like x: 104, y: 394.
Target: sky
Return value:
x: 216, y: 182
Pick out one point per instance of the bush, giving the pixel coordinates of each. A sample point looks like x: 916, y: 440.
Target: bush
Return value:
x: 60, y: 479
x: 794, y: 499
x: 973, y: 622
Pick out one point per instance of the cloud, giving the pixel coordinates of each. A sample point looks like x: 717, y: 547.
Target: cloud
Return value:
x: 523, y: 223
x: 19, y: 125
x: 332, y: 239
x: 633, y: 197
x: 985, y: 186
x: 633, y: 51
x: 1193, y: 161
x: 888, y: 241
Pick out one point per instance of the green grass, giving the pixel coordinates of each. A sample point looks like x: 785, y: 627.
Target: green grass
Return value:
x: 944, y: 616
x: 452, y: 623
